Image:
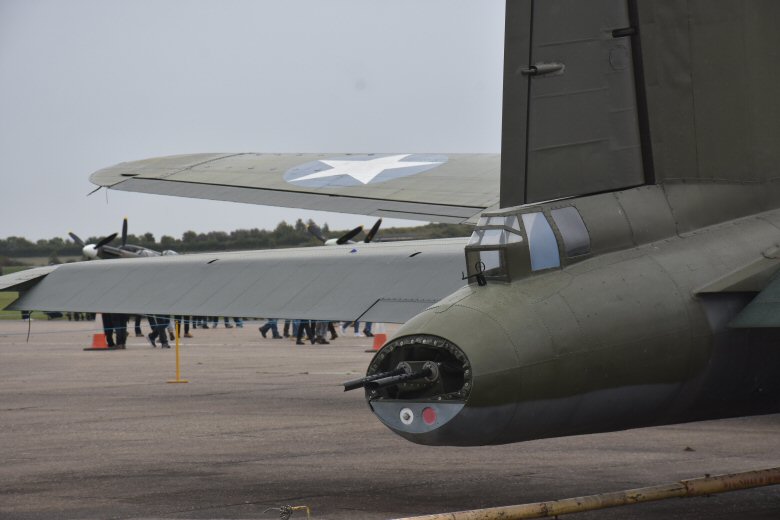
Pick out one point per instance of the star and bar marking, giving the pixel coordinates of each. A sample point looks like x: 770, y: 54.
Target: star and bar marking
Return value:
x: 361, y: 170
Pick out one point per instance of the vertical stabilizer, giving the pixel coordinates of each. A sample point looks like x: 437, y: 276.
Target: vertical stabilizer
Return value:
x: 712, y: 72
x: 571, y: 123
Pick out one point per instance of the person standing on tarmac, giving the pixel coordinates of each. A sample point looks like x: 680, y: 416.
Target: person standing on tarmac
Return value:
x: 108, y: 328
x: 320, y: 329
x: 120, y: 328
x: 304, y: 326
x: 159, y: 324
x: 138, y: 332
x: 271, y: 325
x: 186, y: 320
x: 239, y: 322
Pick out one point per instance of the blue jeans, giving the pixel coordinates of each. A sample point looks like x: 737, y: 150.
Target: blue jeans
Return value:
x: 366, y: 328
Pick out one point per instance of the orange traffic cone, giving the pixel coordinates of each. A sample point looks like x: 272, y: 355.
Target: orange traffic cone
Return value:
x: 380, y: 336
x: 379, y: 340
x: 98, y: 342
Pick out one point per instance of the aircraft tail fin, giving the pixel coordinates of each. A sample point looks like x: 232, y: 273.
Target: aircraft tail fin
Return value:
x: 610, y: 95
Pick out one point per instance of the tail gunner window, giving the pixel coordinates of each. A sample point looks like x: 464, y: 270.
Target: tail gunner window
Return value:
x: 576, y: 240
x: 541, y: 242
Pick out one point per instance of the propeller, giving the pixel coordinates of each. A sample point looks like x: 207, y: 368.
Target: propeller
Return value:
x: 316, y: 231
x: 76, y: 238
x: 346, y: 237
x: 91, y: 251
x: 105, y: 241
x: 124, y: 232
x: 372, y: 232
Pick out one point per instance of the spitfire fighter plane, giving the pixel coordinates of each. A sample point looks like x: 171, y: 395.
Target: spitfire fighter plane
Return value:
x: 104, y: 249
x: 623, y: 267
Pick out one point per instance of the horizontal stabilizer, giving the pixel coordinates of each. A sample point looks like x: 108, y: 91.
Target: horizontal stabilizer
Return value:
x: 763, y: 311
x: 753, y: 277
x: 435, y: 187
x: 390, y: 281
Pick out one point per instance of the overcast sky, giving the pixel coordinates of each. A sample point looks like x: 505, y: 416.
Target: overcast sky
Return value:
x: 86, y: 84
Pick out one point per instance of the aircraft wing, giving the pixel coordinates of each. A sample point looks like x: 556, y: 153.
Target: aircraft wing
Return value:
x: 22, y: 280
x: 372, y: 282
x: 441, y: 188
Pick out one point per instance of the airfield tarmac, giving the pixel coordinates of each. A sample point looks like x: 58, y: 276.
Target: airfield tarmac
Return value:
x: 264, y: 423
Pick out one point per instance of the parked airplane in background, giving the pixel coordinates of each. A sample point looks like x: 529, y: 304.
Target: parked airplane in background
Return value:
x: 91, y: 251
x: 347, y: 237
x: 103, y: 249
x: 622, y: 271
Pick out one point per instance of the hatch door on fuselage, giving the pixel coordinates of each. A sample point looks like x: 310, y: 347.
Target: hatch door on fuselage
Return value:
x: 570, y: 118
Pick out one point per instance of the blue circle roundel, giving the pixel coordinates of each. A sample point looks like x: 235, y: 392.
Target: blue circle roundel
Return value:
x: 360, y: 170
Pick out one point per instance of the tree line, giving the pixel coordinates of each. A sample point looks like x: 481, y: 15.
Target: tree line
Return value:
x: 13, y: 250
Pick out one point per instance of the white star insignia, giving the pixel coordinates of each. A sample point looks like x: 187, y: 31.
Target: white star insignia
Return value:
x: 364, y: 171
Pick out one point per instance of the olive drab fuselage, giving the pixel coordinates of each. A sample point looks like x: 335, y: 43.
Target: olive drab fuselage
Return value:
x: 639, y: 216
x: 612, y: 338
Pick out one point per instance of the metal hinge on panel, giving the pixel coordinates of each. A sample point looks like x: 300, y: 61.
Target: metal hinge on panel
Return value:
x: 540, y: 69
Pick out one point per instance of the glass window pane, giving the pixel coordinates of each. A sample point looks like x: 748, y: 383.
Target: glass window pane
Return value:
x: 476, y: 236
x: 541, y: 242
x: 576, y: 240
x: 514, y: 239
x: 492, y: 261
x: 494, y: 237
x: 512, y: 223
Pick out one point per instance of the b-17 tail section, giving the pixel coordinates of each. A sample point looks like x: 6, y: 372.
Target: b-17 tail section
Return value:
x: 434, y: 187
x: 389, y: 282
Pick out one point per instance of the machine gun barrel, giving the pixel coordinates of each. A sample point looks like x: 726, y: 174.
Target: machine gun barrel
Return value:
x: 425, y: 372
x: 360, y: 383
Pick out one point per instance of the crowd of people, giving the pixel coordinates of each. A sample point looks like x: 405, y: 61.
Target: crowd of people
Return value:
x: 162, y: 328
x: 315, y: 331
